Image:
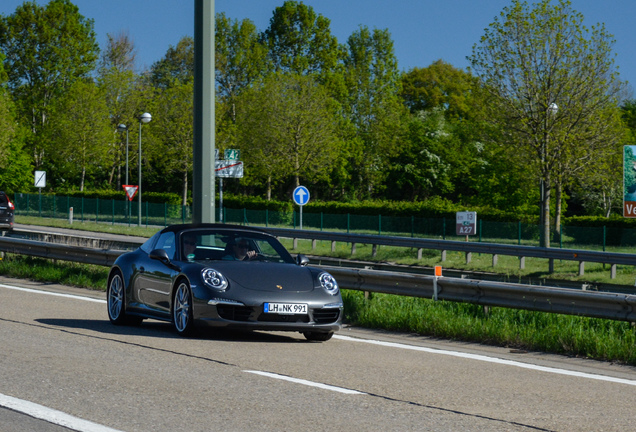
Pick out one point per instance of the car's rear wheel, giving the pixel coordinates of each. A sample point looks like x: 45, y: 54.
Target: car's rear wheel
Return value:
x: 116, y: 300
x: 182, y: 316
x: 318, y: 336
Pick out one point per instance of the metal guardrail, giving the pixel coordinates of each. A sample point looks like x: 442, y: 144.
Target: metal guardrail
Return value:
x: 487, y: 293
x: 551, y: 254
x: 103, y: 257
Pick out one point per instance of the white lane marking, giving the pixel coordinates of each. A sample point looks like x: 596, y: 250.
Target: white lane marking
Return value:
x: 411, y: 347
x: 490, y: 360
x: 35, y: 291
x: 52, y: 416
x: 305, y: 382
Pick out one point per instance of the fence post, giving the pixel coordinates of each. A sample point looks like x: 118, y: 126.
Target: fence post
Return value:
x: 412, y: 226
x: 444, y: 228
x: 266, y: 217
x: 481, y: 226
x: 112, y: 200
x: 379, y: 225
x: 82, y: 210
x: 321, y: 221
x: 97, y: 210
x: 519, y: 242
x: 146, y: 214
x: 165, y: 214
x: 604, y: 237
x: 348, y: 222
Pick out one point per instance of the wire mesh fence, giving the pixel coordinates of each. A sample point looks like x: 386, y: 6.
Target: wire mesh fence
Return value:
x: 153, y: 214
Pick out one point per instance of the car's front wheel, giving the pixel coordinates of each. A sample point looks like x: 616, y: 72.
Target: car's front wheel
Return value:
x: 318, y: 336
x: 182, y: 316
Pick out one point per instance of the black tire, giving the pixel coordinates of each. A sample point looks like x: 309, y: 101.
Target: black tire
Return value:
x: 182, y: 316
x: 318, y: 336
x: 116, y: 301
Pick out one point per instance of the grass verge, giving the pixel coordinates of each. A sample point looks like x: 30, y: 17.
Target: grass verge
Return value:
x: 519, y: 329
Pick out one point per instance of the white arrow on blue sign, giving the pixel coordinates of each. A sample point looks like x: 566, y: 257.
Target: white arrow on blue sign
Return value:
x: 301, y: 195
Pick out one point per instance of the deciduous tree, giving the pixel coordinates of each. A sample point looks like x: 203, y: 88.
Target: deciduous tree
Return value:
x: 553, y: 87
x: 373, y: 107
x: 80, y: 134
x: 47, y: 49
x: 288, y: 129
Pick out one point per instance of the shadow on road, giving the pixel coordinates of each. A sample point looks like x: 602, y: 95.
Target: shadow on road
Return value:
x: 164, y: 330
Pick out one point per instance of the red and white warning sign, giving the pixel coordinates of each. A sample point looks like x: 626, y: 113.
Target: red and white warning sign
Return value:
x: 131, y: 191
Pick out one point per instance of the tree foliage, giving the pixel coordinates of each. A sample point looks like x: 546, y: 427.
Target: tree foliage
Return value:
x: 176, y: 66
x: 47, y: 49
x: 79, y: 131
x: 541, y: 102
x: 295, y: 136
x: 553, y: 86
x: 373, y: 107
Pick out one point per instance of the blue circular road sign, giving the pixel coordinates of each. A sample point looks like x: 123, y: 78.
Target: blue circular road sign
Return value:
x: 301, y: 195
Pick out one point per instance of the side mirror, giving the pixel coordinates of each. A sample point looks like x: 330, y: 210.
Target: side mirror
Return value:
x: 160, y: 255
x: 302, y: 260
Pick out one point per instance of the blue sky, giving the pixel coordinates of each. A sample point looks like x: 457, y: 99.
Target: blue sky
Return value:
x: 423, y: 31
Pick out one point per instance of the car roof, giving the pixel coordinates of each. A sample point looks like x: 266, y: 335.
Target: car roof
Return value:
x: 225, y: 227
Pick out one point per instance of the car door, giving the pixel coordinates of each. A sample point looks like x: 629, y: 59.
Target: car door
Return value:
x: 154, y: 282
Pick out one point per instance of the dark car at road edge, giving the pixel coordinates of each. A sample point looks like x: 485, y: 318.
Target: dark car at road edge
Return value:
x: 223, y: 276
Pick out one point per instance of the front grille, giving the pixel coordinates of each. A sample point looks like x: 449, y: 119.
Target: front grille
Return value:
x: 270, y: 317
x: 325, y: 316
x: 234, y: 313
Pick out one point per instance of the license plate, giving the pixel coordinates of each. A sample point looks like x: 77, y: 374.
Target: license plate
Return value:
x: 286, y: 308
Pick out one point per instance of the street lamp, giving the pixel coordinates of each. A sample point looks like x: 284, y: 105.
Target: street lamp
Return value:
x: 144, y: 118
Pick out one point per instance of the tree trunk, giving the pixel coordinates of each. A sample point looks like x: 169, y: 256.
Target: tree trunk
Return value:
x: 546, y: 210
x: 184, y: 192
x: 269, y: 188
x: 558, y: 194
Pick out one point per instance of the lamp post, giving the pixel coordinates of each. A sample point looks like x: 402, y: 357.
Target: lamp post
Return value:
x: 144, y: 118
x: 545, y: 209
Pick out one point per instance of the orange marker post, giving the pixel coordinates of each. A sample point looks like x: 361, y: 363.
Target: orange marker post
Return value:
x: 438, y: 273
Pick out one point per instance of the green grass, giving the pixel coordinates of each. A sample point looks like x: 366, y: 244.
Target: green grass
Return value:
x: 61, y: 272
x: 519, y: 329
x: 533, y: 331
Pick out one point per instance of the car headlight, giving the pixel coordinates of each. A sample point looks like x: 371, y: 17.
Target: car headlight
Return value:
x: 214, y: 279
x: 328, y: 282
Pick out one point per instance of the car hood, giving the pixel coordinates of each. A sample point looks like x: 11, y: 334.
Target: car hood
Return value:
x: 261, y: 276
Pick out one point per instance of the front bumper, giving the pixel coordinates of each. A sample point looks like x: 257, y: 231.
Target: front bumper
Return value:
x: 235, y: 315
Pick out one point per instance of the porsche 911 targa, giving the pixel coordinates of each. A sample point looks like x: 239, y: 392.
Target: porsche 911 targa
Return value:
x: 223, y: 276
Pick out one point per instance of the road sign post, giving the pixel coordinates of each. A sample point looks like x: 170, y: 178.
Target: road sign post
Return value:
x: 131, y: 191
x: 40, y: 182
x: 301, y: 197
x: 227, y: 168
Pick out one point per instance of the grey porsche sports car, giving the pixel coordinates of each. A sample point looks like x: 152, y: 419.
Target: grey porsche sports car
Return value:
x: 223, y: 276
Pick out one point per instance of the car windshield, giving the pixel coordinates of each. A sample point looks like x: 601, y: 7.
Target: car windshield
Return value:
x: 230, y: 245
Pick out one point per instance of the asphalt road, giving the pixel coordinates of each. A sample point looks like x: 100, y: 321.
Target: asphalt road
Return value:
x: 61, y: 355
